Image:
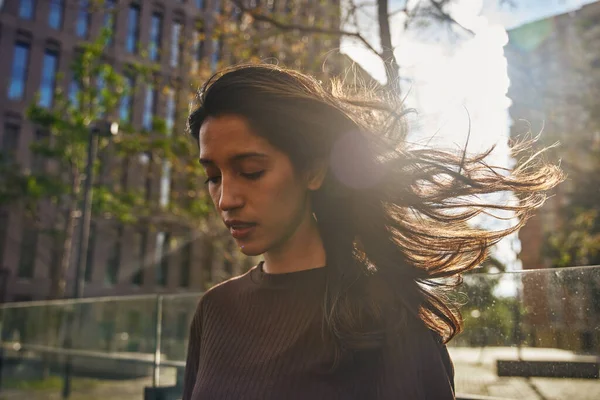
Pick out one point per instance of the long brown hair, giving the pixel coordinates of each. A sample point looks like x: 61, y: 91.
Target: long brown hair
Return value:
x: 394, y: 218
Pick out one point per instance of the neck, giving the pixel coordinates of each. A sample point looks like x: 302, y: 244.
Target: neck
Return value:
x: 303, y: 250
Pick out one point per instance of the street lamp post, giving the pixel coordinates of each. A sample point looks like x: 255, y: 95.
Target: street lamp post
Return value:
x: 97, y: 130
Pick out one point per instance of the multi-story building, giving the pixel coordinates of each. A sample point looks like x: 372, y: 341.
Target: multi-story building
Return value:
x: 553, y: 64
x: 38, y: 41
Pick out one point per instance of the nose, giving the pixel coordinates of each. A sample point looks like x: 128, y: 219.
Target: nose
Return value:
x: 230, y: 196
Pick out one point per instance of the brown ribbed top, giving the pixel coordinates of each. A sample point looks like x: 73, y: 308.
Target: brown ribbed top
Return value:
x: 259, y: 336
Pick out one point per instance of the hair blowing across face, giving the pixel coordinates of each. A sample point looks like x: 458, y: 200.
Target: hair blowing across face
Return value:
x: 394, y: 219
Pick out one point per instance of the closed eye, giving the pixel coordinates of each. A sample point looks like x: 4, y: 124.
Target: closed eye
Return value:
x: 212, y: 179
x: 253, y: 175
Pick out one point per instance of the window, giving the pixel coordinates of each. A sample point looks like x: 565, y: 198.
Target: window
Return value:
x: 175, y: 43
x: 28, y: 252
x: 74, y: 90
x: 216, y: 54
x: 163, y: 245
x: 38, y: 161
x: 55, y: 15
x: 109, y: 20
x: 100, y: 86
x: 198, y: 49
x: 82, y: 25
x: 26, y: 9
x: 200, y: 4
x: 186, y: 260
x: 170, y: 109
x: 155, y: 36
x: 133, y: 28
x: 10, y: 140
x: 111, y: 274
x: 3, y: 234
x: 16, y: 88
x: 165, y: 185
x: 149, y: 107
x: 125, y: 107
x: 50, y: 66
x: 91, y: 250
x: 55, y: 255
x: 140, y: 240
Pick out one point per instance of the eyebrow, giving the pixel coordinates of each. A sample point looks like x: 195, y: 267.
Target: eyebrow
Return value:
x: 235, y: 158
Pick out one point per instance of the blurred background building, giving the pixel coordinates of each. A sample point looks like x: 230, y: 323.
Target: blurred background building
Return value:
x: 38, y: 42
x: 554, y: 69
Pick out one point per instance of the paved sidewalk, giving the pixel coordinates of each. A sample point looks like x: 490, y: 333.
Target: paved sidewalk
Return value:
x: 476, y: 374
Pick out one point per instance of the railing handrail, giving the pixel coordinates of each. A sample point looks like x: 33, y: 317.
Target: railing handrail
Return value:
x: 100, y: 299
x: 149, y: 360
x: 171, y: 296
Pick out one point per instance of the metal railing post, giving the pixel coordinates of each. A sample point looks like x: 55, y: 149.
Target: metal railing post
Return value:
x: 158, y: 337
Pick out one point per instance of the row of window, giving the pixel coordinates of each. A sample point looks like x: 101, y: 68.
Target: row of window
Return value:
x: 19, y: 71
x: 29, y: 242
x: 82, y: 24
x: 17, y: 84
x: 19, y: 75
x: 56, y: 14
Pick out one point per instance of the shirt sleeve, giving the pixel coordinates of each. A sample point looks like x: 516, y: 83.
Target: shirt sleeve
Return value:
x: 416, y: 365
x: 193, y: 355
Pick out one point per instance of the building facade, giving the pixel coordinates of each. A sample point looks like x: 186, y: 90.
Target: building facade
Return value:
x: 553, y: 66
x: 38, y: 42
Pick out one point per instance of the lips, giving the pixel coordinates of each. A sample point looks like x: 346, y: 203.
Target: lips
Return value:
x: 240, y: 229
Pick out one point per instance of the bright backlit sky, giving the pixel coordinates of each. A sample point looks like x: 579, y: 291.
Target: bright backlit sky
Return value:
x: 450, y: 77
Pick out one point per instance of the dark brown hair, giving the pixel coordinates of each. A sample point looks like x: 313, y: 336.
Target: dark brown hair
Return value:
x: 394, y: 219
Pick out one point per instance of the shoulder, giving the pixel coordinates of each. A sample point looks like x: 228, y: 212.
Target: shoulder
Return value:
x: 226, y: 290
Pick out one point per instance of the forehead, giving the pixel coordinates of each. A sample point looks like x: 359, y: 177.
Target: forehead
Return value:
x: 221, y: 136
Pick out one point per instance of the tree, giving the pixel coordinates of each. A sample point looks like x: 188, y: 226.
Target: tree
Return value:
x: 52, y: 193
x: 356, y: 22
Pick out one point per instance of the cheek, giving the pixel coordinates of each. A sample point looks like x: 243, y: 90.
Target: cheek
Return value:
x: 285, y: 193
x: 214, y: 195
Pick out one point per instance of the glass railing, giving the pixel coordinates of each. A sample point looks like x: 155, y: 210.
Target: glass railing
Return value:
x: 528, y: 335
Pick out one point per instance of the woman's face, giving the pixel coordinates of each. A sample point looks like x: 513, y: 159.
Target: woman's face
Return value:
x: 252, y: 184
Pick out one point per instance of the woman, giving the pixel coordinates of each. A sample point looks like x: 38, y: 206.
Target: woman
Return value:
x: 362, y: 239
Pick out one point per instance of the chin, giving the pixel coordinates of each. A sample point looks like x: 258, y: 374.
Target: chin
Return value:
x: 250, y: 249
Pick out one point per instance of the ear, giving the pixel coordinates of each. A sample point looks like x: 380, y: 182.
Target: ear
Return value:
x: 316, y: 175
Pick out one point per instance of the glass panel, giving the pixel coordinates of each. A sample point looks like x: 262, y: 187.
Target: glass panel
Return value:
x: 175, y: 43
x: 83, y: 20
x: 48, y: 79
x: 10, y: 141
x: 177, y: 314
x: 109, y: 19
x: 530, y: 323
x: 149, y: 104
x: 125, y: 105
x: 132, y: 28
x: 55, y: 14
x: 155, y: 36
x: 26, y: 9
x: 112, y: 351
x: 544, y: 316
x: 216, y: 54
x: 16, y: 88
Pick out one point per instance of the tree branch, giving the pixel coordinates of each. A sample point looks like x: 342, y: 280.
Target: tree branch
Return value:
x: 259, y: 16
x: 444, y: 16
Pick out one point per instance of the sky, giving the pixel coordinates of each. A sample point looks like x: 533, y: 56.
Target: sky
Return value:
x: 459, y: 86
